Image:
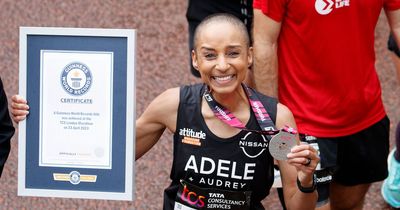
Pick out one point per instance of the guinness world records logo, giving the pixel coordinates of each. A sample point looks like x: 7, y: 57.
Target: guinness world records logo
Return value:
x: 76, y: 78
x: 74, y: 177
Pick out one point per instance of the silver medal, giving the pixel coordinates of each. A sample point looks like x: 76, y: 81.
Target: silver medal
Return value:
x: 280, y: 145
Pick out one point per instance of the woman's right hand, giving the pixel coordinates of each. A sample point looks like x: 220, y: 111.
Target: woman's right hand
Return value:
x: 19, y: 108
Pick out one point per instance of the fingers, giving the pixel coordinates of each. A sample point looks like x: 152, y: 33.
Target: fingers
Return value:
x: 19, y: 108
x: 18, y: 114
x: 18, y: 99
x: 302, y: 146
x: 18, y: 119
x: 303, y: 157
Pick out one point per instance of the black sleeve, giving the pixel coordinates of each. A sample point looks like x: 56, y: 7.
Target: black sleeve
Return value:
x: 6, y: 128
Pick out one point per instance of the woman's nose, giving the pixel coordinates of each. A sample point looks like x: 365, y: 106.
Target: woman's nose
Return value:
x: 222, y: 63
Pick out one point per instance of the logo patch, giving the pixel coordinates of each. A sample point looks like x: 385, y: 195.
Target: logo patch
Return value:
x: 74, y: 177
x: 76, y: 78
x: 324, y: 7
x: 191, y: 137
x: 192, y: 141
x: 254, y: 144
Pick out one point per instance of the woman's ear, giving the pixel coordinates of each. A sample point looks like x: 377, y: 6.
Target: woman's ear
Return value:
x: 250, y: 57
x: 194, y: 60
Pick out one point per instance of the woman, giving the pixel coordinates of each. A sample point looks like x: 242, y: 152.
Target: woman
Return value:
x: 220, y: 159
x: 212, y: 167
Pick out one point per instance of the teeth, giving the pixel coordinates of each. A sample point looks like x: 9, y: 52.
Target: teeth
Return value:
x: 223, y: 78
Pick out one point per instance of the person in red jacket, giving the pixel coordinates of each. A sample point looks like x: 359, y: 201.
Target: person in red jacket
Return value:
x: 318, y: 57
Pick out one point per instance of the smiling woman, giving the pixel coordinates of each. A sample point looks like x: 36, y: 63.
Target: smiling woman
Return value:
x: 214, y: 153
x: 222, y: 66
x: 221, y: 54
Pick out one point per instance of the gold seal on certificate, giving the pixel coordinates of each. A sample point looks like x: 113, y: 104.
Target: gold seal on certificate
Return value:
x: 280, y: 145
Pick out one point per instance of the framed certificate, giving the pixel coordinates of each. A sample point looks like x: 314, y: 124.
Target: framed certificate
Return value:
x: 78, y: 139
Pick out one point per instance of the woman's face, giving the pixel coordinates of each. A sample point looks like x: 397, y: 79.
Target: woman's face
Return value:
x: 222, y: 56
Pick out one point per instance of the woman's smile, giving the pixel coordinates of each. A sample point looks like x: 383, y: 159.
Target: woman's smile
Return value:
x: 223, y: 79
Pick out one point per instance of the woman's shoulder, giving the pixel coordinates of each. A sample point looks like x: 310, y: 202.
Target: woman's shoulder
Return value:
x: 175, y: 94
x: 169, y: 96
x: 269, y: 101
x: 266, y: 97
x: 191, y: 93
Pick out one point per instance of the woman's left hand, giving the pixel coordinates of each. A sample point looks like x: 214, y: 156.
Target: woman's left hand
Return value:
x: 305, y: 159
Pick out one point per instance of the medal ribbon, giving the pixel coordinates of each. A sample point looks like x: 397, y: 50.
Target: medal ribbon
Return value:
x: 262, y: 116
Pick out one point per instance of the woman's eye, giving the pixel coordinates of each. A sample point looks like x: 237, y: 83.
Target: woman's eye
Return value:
x: 233, y: 54
x: 209, y: 55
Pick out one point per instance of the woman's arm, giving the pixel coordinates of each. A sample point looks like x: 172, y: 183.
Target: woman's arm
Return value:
x: 160, y: 114
x: 296, y: 167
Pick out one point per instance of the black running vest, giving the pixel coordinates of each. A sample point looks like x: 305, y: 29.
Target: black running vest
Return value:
x: 239, y: 163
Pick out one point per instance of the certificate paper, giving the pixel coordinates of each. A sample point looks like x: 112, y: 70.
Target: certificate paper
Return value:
x: 78, y: 139
x: 80, y: 106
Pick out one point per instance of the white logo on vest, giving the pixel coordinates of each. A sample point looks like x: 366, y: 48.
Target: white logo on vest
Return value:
x: 263, y: 145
